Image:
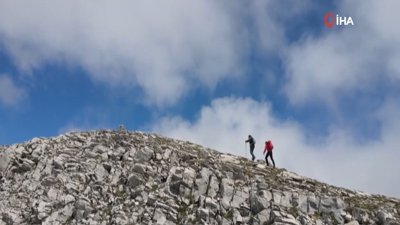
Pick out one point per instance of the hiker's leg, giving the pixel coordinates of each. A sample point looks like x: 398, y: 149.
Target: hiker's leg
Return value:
x: 266, y: 159
x: 252, y: 153
x: 272, y: 158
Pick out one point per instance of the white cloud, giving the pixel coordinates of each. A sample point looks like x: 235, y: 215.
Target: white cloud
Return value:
x: 10, y: 94
x: 270, y: 19
x: 337, y: 159
x: 346, y: 59
x: 164, y: 47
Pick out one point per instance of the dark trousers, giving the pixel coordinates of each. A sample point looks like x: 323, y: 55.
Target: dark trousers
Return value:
x: 251, y: 152
x: 269, y: 153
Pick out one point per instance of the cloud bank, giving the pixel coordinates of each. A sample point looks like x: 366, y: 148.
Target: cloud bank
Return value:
x: 163, y: 47
x: 166, y: 49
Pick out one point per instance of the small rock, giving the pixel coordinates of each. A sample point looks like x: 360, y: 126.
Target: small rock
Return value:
x: 354, y: 222
x: 4, y: 161
x: 134, y: 181
x: 100, y: 149
x: 107, y: 167
x: 139, y: 168
x: 58, y: 163
x: 264, y: 216
x: 159, y: 217
x: 203, y: 213
x: 348, y: 218
x: 44, y: 210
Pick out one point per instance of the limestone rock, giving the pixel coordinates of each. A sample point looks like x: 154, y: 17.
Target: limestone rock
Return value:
x: 352, y: 223
x: 121, y: 177
x: 4, y: 161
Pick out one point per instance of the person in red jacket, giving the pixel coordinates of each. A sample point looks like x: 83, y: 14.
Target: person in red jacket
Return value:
x: 268, y: 148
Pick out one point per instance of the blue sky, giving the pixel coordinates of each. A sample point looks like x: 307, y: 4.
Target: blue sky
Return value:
x: 213, y: 72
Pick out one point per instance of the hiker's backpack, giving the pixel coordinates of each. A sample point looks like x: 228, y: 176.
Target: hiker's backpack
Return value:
x: 270, y: 146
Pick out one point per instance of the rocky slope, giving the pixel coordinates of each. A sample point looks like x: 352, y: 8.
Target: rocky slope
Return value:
x: 109, y: 177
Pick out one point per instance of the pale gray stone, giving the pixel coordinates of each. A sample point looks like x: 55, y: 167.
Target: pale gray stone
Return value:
x: 159, y: 217
x: 107, y: 177
x: 264, y: 216
x: 327, y: 204
x: 44, y: 209
x: 100, y: 149
x: 166, y: 154
x: 204, y: 213
x: 227, y: 191
x: 354, y: 222
x: 313, y: 204
x: 139, y: 168
x: 143, y: 155
x: 58, y: 162
x: 282, y: 198
x: 347, y: 218
x: 134, y: 181
x: 211, y: 203
x: 100, y: 172
x: 4, y: 161
x: 61, y: 216
x: 287, y: 221
x: 258, y: 204
x: 203, y: 180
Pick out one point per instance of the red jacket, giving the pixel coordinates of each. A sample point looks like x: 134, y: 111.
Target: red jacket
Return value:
x: 268, y: 146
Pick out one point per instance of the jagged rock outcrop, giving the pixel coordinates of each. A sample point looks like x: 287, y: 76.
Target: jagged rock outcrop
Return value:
x: 107, y: 177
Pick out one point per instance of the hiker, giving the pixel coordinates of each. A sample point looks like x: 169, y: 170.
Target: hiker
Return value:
x: 268, y: 147
x: 252, y: 143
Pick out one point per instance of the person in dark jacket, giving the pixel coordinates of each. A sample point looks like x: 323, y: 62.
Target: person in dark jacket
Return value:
x: 252, y: 143
x: 268, y: 147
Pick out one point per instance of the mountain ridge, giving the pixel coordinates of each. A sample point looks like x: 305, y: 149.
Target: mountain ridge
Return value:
x: 120, y: 177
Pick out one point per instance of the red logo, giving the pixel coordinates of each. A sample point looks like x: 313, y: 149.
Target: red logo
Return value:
x: 329, y: 20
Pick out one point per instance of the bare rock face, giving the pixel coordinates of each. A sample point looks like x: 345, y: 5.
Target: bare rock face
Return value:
x: 107, y: 177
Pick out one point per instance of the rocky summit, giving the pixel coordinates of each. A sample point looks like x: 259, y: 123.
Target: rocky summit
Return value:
x: 119, y: 177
